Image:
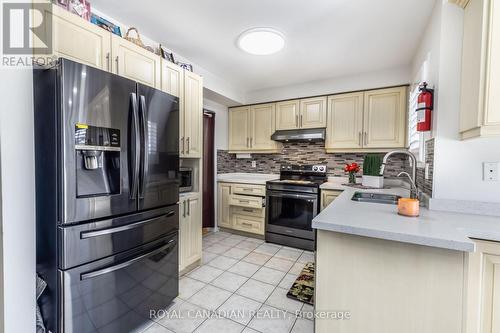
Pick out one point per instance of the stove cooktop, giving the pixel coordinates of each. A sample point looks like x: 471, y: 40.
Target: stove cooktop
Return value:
x: 304, y: 175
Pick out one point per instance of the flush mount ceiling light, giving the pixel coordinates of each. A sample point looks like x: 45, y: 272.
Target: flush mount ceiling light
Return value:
x: 261, y: 41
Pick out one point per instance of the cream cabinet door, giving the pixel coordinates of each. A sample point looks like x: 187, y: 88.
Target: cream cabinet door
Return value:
x: 327, y: 197
x: 483, y: 289
x: 345, y: 121
x: 287, y: 115
x: 193, y: 114
x: 262, y: 122
x: 224, y: 209
x: 172, y: 79
x: 313, y: 112
x: 135, y: 63
x: 385, y: 118
x: 190, y: 231
x: 76, y: 39
x: 239, y: 134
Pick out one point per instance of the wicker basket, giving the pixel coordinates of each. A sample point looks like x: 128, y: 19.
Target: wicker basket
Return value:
x: 137, y: 40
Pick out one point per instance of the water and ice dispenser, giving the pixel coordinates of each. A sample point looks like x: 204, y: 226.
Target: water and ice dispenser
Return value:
x: 97, y: 152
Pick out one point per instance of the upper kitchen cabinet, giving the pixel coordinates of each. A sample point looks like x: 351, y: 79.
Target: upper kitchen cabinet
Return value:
x: 287, y: 115
x: 135, y: 62
x: 76, y: 39
x: 480, y: 102
x: 313, y: 112
x: 239, y: 129
x: 251, y: 127
x: 384, y: 121
x: 373, y: 120
x: 262, y: 126
x: 345, y: 121
x: 172, y: 78
x: 192, y: 116
x: 304, y: 113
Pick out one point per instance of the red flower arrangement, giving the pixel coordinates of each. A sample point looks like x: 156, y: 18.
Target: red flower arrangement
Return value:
x: 352, y: 168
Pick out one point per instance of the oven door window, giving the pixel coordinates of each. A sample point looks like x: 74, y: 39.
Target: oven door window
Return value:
x: 291, y: 210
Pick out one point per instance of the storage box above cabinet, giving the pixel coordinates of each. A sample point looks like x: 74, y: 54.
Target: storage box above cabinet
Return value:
x: 304, y: 113
x: 374, y: 120
x: 480, y: 101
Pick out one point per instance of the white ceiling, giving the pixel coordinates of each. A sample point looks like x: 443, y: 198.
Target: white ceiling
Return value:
x: 324, y: 38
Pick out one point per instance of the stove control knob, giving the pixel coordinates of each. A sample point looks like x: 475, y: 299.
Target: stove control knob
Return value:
x: 322, y: 168
x: 315, y: 168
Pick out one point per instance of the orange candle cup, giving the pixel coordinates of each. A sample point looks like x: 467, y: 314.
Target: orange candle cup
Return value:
x: 408, y: 207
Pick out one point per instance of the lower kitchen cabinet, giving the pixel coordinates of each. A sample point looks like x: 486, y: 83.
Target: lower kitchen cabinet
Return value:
x: 327, y: 197
x: 483, y: 289
x: 241, y: 207
x: 223, y: 207
x: 190, y: 231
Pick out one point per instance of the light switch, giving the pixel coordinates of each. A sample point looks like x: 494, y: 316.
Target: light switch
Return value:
x: 490, y: 171
x: 426, y: 171
x: 254, y: 164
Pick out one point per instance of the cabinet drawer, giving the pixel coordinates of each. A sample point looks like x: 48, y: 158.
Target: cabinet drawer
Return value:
x: 257, y: 212
x: 246, y: 201
x: 248, y: 224
x: 246, y: 189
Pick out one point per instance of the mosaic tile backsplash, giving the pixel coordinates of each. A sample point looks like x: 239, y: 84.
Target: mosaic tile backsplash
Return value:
x: 300, y: 153
x: 303, y: 153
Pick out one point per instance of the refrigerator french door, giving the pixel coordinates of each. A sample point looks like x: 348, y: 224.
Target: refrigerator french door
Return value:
x: 159, y: 130
x: 107, y: 162
x: 119, y: 145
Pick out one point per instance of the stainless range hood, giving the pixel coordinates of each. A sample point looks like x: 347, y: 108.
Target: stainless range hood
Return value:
x: 313, y: 134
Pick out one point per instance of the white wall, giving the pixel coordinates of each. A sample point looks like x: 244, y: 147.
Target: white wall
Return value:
x: 221, y: 125
x: 18, y: 199
x: 378, y: 79
x: 457, y: 163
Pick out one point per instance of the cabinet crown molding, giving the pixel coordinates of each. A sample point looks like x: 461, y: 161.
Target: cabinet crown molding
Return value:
x: 461, y: 3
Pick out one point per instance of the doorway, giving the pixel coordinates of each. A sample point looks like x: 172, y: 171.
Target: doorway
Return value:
x: 208, y: 186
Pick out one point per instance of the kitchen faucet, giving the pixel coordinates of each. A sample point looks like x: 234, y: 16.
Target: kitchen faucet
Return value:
x: 413, y: 178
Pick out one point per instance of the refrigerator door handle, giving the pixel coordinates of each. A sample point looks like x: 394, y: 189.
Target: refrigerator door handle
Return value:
x: 144, y: 146
x: 134, y: 142
x: 127, y: 263
x: 97, y: 233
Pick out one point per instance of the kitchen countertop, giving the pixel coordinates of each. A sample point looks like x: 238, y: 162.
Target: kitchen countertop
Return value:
x: 432, y: 228
x: 246, y: 178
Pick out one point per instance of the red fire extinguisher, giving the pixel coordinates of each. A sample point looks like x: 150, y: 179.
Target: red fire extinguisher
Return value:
x: 424, y: 109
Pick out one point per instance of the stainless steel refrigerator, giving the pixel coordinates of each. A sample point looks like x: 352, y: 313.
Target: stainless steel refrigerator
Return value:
x: 107, y: 191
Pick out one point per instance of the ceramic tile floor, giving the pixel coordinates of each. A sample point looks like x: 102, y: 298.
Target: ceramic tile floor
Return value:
x: 245, y: 281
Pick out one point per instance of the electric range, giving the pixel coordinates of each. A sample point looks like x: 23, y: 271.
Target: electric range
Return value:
x: 291, y: 204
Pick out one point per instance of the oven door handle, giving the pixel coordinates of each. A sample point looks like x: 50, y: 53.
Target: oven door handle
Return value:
x: 292, y: 195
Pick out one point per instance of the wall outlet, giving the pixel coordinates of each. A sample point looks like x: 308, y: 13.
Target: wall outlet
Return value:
x: 426, y: 171
x: 490, y: 171
x: 254, y: 164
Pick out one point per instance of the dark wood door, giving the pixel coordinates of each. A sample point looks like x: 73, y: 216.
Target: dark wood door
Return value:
x: 208, y: 169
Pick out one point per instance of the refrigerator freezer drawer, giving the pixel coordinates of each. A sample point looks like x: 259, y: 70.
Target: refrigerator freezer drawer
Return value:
x: 88, y: 242
x: 116, y: 294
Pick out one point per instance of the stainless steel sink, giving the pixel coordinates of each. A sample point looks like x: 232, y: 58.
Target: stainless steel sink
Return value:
x: 382, y: 198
